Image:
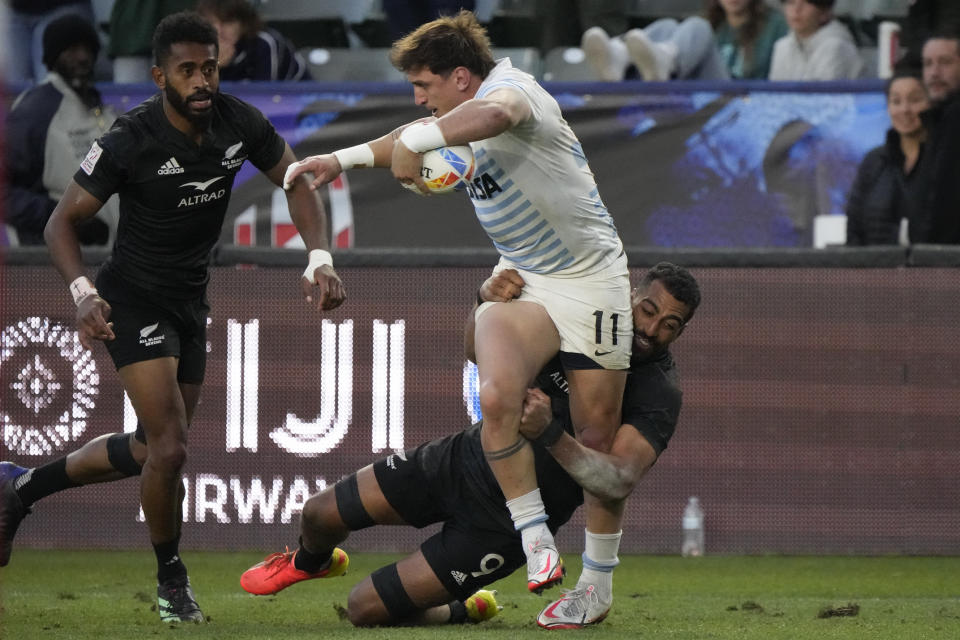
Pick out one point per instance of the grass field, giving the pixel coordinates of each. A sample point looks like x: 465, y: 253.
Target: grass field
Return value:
x: 108, y: 595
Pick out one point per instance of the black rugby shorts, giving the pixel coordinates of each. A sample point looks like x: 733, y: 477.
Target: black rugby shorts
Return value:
x: 148, y: 326
x: 465, y: 555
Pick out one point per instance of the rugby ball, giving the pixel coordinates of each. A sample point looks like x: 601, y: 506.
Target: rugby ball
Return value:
x: 446, y: 169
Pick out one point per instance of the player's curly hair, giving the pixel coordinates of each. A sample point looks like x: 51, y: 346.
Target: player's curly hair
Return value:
x: 444, y: 44
x: 678, y: 282
x: 185, y: 26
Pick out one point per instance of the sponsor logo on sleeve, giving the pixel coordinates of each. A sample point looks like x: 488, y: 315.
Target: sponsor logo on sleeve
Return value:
x: 91, y: 160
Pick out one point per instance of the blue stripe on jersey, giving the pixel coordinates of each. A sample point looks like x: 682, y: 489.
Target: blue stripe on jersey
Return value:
x: 514, y: 241
x: 525, y: 241
x: 566, y: 263
x: 531, y: 254
x: 547, y: 265
x: 603, y: 212
x: 500, y: 206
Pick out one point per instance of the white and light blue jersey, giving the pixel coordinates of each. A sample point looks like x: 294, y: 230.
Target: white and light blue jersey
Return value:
x: 534, y: 193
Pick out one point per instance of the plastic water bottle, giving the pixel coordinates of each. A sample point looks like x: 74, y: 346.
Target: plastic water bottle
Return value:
x: 692, y: 529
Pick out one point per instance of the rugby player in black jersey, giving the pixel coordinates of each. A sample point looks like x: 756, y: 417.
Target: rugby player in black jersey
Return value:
x: 448, y: 480
x: 172, y: 160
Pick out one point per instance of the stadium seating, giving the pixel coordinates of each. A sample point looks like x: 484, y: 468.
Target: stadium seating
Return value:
x: 652, y: 9
x: 526, y: 58
x: 338, y: 64
x: 567, y: 64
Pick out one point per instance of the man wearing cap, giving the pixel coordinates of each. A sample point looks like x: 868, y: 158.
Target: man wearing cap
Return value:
x: 50, y: 129
x: 818, y: 46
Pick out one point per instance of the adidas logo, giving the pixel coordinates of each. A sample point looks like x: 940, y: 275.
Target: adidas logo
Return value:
x: 459, y: 576
x: 169, y: 168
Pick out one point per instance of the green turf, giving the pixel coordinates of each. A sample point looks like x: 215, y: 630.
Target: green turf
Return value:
x: 98, y: 595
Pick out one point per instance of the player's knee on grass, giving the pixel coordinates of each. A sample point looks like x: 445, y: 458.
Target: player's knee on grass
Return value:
x: 381, y: 599
x: 365, y: 608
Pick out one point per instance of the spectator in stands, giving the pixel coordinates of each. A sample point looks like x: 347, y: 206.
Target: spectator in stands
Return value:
x: 890, y: 183
x: 745, y: 31
x: 131, y: 35
x: 28, y: 19
x: 734, y: 41
x: 941, y: 76
x: 925, y: 18
x: 818, y: 46
x: 248, y: 49
x: 50, y: 129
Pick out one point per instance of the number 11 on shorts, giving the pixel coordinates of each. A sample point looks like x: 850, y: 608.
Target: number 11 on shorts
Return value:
x: 598, y: 326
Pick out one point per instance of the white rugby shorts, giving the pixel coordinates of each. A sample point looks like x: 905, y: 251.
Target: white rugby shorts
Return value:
x: 592, y: 314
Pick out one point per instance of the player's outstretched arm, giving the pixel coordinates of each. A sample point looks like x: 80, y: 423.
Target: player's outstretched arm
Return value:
x: 326, y: 167
x: 473, y: 120
x: 77, y: 205
x: 609, y: 476
x: 320, y: 283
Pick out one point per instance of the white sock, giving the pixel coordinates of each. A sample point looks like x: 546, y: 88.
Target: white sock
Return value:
x: 526, y: 510
x: 600, y: 549
x: 599, y: 560
x: 530, y: 519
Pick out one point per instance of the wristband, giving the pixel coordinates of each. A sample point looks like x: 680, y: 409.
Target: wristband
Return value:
x: 318, y: 258
x: 287, y: 179
x: 550, y: 435
x: 360, y: 155
x: 81, y: 288
x: 422, y: 136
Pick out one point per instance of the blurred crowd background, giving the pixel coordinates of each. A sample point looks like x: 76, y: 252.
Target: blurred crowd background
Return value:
x: 709, y: 123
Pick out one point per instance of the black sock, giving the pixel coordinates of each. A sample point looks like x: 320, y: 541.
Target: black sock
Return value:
x: 169, y: 564
x: 458, y: 612
x: 311, y: 562
x: 43, y: 481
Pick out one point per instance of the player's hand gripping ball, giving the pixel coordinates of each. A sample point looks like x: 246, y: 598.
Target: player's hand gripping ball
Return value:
x: 447, y: 169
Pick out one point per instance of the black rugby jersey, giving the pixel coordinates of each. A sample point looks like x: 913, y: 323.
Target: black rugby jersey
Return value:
x: 651, y: 404
x: 173, y: 193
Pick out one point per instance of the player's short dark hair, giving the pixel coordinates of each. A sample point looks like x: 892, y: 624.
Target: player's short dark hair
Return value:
x: 678, y: 282
x: 185, y: 26
x: 444, y: 44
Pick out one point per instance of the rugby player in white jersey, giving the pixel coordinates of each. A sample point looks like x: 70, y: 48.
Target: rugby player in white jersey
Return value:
x: 536, y: 198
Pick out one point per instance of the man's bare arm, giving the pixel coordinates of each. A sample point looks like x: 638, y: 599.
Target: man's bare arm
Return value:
x: 609, y: 476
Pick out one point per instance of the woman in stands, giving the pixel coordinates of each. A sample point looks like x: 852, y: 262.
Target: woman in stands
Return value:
x: 745, y: 31
x: 884, y: 202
